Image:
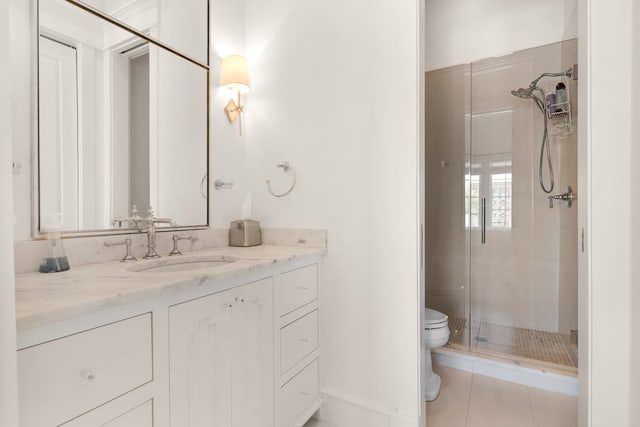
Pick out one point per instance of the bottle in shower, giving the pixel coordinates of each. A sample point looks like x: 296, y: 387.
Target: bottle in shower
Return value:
x: 551, y: 103
x: 561, y: 93
x: 56, y: 259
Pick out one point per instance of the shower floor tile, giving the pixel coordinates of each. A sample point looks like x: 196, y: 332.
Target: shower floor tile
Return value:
x: 544, y: 346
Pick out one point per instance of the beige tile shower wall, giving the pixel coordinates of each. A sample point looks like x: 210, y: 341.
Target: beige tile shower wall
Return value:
x: 526, y: 274
x: 447, y: 98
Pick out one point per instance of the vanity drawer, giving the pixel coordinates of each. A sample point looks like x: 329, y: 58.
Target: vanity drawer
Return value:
x: 296, y: 288
x: 299, y: 393
x: 298, y: 340
x: 64, y: 378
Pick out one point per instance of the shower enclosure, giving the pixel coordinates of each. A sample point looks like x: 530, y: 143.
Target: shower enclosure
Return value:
x: 501, y: 255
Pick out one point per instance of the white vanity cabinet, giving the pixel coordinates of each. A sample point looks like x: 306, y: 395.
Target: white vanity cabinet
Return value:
x: 221, y: 358
x: 239, y: 352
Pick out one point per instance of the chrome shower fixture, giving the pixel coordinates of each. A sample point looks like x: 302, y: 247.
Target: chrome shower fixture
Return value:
x: 530, y: 93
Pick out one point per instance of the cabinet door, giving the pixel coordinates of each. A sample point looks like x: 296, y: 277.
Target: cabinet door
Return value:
x: 252, y: 354
x: 200, y: 361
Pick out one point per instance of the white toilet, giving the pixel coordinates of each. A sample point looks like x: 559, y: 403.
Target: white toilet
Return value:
x: 436, y: 334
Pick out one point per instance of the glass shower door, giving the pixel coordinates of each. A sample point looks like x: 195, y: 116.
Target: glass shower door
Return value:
x: 500, y: 262
x: 499, y: 184
x: 515, y: 238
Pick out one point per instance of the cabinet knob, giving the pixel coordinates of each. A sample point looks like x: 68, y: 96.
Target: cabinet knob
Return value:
x: 87, y: 375
x: 304, y: 393
x: 239, y: 299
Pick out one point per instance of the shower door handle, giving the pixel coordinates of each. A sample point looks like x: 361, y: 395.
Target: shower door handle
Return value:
x: 483, y: 229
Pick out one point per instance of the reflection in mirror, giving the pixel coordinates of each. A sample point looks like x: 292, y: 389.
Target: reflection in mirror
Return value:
x: 164, y: 20
x: 122, y: 122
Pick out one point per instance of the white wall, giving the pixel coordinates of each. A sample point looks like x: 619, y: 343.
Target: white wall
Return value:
x: 609, y: 42
x: 228, y: 150
x: 635, y: 228
x: 463, y: 31
x: 336, y: 94
x: 8, y: 384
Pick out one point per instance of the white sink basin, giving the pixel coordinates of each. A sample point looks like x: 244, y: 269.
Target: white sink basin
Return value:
x: 171, y: 265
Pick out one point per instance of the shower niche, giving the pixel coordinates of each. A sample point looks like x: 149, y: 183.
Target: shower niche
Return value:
x: 499, y: 262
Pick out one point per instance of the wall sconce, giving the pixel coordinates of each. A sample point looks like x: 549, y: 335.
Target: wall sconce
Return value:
x: 234, y: 76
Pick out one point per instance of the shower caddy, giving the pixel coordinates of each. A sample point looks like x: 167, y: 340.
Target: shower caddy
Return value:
x: 561, y: 123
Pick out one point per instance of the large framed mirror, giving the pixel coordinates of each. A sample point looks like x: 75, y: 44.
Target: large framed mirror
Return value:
x: 123, y: 119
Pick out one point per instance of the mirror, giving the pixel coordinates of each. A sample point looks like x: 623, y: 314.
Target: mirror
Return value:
x: 123, y: 121
x: 164, y: 20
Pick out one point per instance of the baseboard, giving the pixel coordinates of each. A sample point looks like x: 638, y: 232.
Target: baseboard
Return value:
x: 341, y: 410
x: 537, y: 378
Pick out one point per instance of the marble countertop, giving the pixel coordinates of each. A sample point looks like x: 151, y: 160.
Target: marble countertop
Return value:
x: 46, y: 298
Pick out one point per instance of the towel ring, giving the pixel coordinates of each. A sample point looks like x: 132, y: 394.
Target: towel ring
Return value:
x: 285, y: 168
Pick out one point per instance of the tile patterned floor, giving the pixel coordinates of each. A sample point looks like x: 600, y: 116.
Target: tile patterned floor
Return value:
x: 528, y: 343
x: 472, y: 400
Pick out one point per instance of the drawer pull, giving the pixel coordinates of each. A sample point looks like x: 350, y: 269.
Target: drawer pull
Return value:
x: 239, y: 299
x: 304, y: 393
x: 303, y: 288
x: 304, y: 340
x: 87, y: 376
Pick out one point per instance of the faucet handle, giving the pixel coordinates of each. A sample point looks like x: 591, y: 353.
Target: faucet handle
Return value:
x: 127, y: 242
x: 176, y: 238
x: 150, y: 214
x: 135, y: 217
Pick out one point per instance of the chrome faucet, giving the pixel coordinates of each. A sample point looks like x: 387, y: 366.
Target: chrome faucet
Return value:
x: 568, y: 197
x: 151, y: 222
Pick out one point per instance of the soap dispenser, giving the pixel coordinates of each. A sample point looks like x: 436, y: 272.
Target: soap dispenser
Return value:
x: 56, y: 259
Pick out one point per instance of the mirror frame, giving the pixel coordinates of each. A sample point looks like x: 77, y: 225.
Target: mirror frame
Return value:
x: 36, y: 233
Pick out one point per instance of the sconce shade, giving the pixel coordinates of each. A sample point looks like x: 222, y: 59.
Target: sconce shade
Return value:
x: 235, y: 73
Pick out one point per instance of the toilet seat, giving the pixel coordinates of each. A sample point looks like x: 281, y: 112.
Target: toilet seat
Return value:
x: 435, y: 320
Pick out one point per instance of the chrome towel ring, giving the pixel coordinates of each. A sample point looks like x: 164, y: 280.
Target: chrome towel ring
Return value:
x: 286, y: 167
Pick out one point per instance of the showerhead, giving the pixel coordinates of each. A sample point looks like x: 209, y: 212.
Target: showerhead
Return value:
x: 529, y: 92
x: 522, y: 93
